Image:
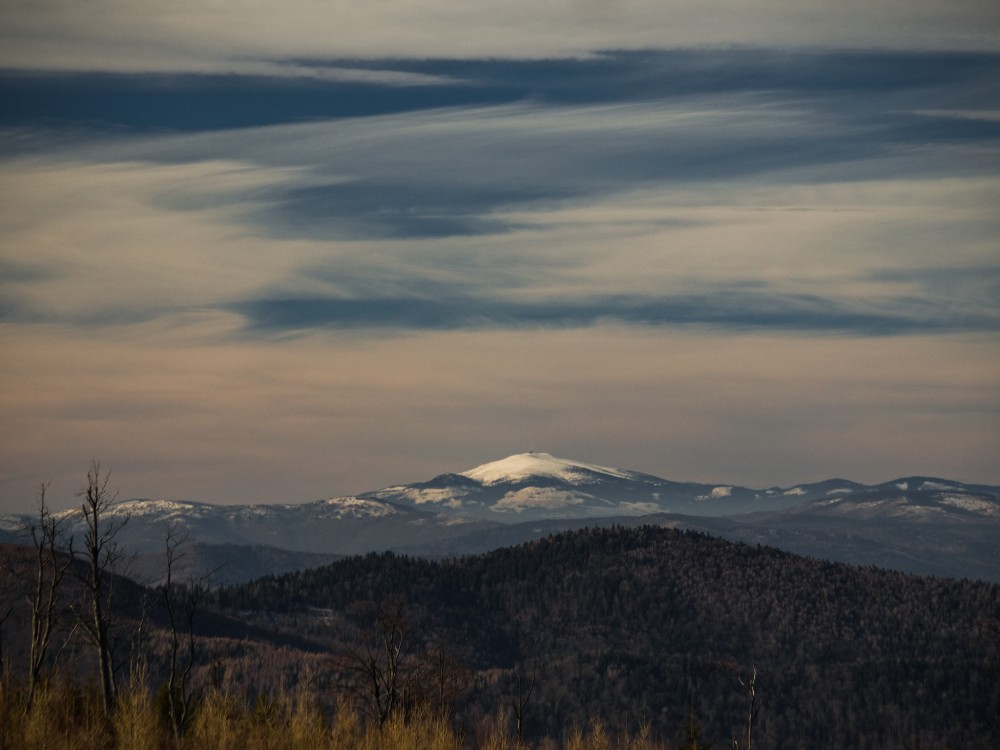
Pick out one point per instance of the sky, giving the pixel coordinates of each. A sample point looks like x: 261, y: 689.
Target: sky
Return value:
x: 278, y: 252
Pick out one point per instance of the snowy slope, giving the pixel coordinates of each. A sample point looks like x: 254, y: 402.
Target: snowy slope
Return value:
x: 524, y: 467
x: 342, y: 525
x: 532, y: 486
x: 951, y: 506
x: 535, y: 486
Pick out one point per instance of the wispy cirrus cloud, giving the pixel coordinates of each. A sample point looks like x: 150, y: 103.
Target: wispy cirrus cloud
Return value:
x: 729, y: 309
x: 138, y: 35
x: 709, y: 192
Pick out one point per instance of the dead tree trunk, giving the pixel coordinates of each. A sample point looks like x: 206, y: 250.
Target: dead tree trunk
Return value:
x: 749, y: 686
x: 181, y: 603
x: 524, y: 688
x: 51, y: 566
x: 102, y: 555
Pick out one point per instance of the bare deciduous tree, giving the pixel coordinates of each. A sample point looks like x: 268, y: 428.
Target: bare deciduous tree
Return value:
x: 442, y: 677
x: 104, y: 556
x: 6, y: 610
x: 52, y: 561
x: 181, y: 602
x: 379, y: 666
x: 523, y: 687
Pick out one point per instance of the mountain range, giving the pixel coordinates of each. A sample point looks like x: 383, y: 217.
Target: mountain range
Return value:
x: 922, y: 525
x: 533, y: 486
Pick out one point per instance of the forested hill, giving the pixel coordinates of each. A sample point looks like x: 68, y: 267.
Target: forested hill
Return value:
x: 642, y: 624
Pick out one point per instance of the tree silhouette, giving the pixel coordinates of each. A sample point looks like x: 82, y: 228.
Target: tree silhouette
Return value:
x: 104, y: 556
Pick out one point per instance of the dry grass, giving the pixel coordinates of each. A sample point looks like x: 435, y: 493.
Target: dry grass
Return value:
x: 68, y: 717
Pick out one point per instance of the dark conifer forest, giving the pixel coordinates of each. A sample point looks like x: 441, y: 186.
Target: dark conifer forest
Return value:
x: 680, y: 632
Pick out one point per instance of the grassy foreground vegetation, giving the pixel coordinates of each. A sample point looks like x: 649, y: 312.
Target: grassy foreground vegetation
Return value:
x: 66, y: 716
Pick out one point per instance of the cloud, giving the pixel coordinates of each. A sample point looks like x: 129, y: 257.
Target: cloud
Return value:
x: 89, y: 103
x: 139, y: 35
x: 729, y: 309
x: 96, y: 246
x: 751, y: 209
x: 858, y: 87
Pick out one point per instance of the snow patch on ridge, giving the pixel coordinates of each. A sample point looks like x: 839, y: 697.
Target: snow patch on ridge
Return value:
x: 936, y: 486
x: 640, y: 508
x: 716, y: 493
x: 357, y: 507
x: 11, y: 523
x: 457, y: 520
x: 531, y: 498
x: 449, y: 497
x: 918, y: 512
x: 154, y: 506
x: 975, y: 504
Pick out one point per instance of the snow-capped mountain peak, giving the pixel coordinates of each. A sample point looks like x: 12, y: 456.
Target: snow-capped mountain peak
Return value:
x: 522, y: 467
x: 480, y: 505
